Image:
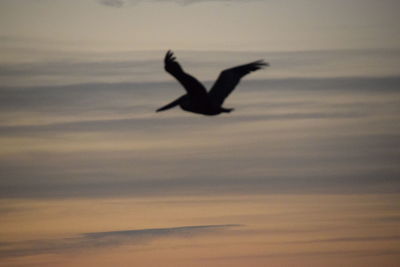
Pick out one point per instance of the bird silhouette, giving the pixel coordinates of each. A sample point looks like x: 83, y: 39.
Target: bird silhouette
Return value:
x: 197, y: 99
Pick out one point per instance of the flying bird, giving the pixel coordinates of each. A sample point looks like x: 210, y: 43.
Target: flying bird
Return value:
x: 197, y: 99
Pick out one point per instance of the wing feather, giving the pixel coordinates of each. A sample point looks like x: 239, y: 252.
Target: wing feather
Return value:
x: 192, y: 86
x: 229, y: 78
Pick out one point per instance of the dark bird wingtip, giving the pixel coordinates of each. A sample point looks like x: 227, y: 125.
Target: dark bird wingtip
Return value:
x: 262, y: 63
x: 169, y: 56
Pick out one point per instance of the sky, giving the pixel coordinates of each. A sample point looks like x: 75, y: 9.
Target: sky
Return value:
x: 304, y: 172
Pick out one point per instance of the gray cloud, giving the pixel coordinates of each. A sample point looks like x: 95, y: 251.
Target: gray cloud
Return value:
x: 138, y: 124
x: 112, y: 3
x: 316, y: 253
x: 78, y: 98
x: 49, y: 68
x: 341, y: 161
x: 351, y: 239
x: 388, y: 219
x: 120, y: 3
x: 52, y: 184
x: 345, y: 141
x: 78, y: 68
x: 104, y: 240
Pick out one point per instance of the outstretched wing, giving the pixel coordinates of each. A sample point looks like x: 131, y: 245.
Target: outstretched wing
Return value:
x: 191, y: 84
x: 229, y: 78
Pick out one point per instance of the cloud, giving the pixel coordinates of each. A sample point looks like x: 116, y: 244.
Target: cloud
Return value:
x: 105, y: 239
x: 137, y: 124
x: 389, y: 219
x: 96, y: 183
x: 63, y: 72
x: 352, y: 239
x: 316, y: 253
x: 79, y: 99
x: 120, y: 3
x: 140, y: 66
x: 112, y: 3
x: 341, y: 142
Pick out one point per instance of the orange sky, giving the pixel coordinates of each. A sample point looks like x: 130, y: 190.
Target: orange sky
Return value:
x: 276, y: 230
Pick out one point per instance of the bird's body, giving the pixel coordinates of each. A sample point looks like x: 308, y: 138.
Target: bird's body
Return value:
x: 197, y: 99
x: 204, y: 106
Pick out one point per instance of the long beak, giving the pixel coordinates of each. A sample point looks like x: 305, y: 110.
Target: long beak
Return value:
x: 170, y: 105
